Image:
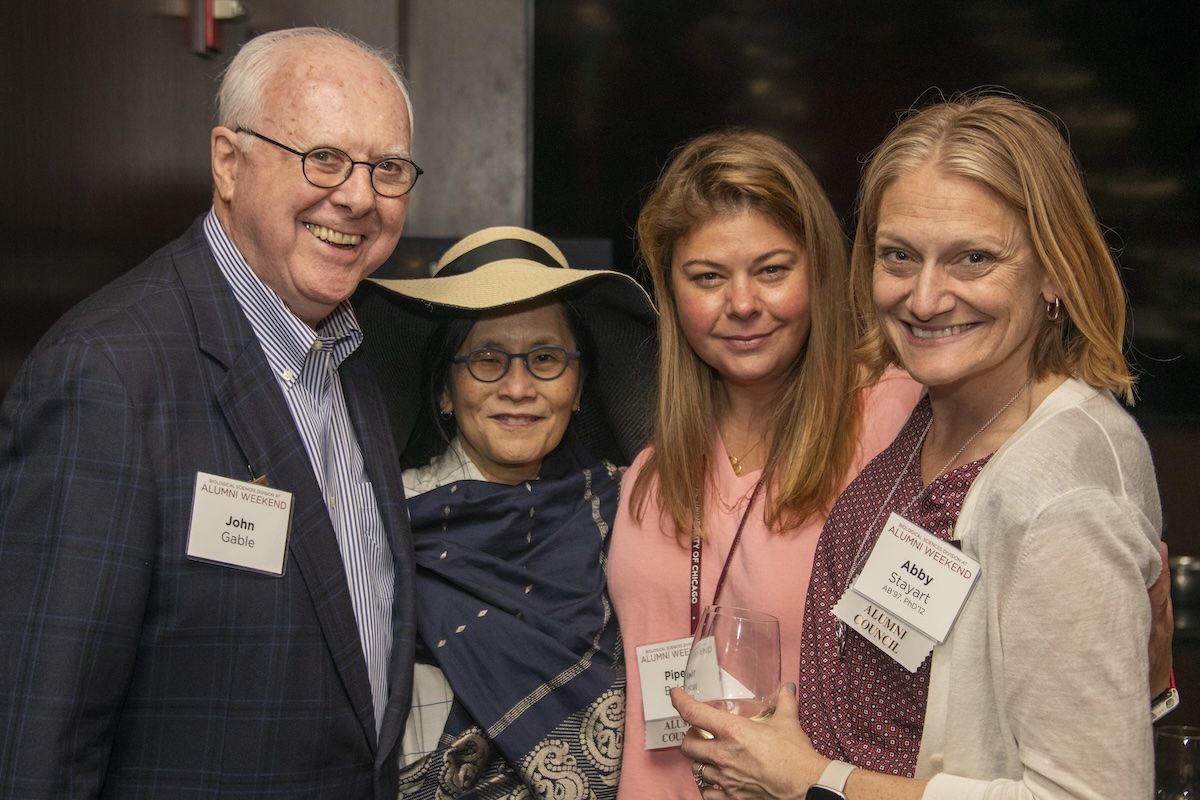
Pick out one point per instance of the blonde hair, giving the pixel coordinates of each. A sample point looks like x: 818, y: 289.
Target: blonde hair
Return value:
x: 815, y: 423
x: 1010, y: 148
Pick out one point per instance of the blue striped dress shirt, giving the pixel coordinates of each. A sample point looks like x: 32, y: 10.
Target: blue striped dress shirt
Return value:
x: 305, y: 363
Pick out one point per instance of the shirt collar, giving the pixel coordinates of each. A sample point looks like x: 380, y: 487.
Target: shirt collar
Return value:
x: 285, y: 338
x: 451, y: 466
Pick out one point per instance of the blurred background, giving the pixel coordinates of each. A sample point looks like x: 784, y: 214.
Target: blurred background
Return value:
x: 618, y: 84
x: 559, y: 114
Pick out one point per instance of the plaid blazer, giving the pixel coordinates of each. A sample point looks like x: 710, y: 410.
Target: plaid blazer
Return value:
x: 126, y: 669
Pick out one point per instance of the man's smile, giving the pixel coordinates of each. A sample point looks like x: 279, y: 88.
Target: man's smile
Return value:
x: 332, y: 236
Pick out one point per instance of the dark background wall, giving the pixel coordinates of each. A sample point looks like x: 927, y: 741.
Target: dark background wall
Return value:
x: 105, y: 134
x: 620, y: 83
x: 106, y: 114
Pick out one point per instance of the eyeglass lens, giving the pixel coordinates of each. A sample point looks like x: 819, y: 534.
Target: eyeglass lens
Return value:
x: 488, y: 364
x: 327, y: 167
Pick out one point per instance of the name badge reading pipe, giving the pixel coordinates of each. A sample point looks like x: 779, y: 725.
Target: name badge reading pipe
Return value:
x: 662, y: 665
x: 650, y: 656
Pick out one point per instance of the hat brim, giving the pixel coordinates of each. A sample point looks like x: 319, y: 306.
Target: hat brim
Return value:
x: 501, y: 283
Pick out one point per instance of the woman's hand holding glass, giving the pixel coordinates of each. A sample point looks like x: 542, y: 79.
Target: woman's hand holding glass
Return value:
x: 734, y: 661
x: 749, y: 760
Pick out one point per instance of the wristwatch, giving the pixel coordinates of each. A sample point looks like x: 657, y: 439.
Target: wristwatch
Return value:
x: 831, y: 783
x: 1165, y: 702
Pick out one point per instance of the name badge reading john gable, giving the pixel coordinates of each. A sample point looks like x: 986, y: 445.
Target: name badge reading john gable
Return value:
x: 239, y: 524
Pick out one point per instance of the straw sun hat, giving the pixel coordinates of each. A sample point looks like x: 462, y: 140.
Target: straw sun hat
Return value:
x: 506, y: 266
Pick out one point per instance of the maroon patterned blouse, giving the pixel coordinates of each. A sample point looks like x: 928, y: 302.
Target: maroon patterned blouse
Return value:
x: 858, y: 705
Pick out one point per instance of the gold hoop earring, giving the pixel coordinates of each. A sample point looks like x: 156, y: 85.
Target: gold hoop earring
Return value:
x: 1054, y: 310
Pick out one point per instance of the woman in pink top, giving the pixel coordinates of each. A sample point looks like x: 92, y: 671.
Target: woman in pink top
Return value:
x: 758, y: 424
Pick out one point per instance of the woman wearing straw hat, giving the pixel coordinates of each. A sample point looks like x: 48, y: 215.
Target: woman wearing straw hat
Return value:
x: 530, y: 382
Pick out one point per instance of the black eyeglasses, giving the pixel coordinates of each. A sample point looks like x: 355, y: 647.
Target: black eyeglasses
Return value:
x: 489, y: 364
x: 328, y: 167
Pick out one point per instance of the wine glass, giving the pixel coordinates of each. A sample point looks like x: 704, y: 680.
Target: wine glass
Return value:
x: 1177, y: 762
x: 734, y: 661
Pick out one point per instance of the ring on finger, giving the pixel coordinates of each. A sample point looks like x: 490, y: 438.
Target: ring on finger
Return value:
x: 698, y: 773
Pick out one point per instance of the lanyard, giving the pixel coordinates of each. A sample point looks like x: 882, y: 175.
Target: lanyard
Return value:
x: 694, y: 587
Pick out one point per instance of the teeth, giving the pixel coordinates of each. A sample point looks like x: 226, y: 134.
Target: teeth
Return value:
x: 332, y: 236
x: 938, y: 334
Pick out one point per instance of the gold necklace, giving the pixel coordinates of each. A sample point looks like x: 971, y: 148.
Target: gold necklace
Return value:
x: 736, y: 463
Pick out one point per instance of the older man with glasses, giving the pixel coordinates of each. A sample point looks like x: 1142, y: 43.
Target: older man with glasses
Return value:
x: 205, y: 561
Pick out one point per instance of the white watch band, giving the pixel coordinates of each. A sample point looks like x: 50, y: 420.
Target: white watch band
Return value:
x: 1164, y: 703
x: 835, y: 775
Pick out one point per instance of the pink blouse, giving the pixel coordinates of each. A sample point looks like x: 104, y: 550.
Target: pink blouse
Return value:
x: 649, y: 580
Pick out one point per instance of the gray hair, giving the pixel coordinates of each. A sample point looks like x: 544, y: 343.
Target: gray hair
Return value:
x: 240, y: 98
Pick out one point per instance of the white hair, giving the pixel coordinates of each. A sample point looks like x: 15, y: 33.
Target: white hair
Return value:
x: 240, y: 99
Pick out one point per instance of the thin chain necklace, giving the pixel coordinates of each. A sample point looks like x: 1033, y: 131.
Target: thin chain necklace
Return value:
x: 856, y: 564
x: 917, y: 449
x: 735, y: 461
x: 967, y: 443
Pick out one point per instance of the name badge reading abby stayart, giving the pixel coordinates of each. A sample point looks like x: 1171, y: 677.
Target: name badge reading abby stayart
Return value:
x: 909, y: 593
x: 239, y: 524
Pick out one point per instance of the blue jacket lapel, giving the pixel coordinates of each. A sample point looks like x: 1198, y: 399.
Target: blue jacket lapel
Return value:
x: 258, y: 416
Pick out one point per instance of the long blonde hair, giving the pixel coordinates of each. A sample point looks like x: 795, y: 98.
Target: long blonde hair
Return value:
x: 815, y: 423
x: 1007, y: 146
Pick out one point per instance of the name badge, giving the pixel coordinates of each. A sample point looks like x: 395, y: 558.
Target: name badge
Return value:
x: 917, y: 577
x: 661, y: 667
x: 898, y: 640
x: 909, y: 593
x: 239, y: 524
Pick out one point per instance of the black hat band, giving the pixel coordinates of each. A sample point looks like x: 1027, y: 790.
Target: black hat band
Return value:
x: 499, y: 250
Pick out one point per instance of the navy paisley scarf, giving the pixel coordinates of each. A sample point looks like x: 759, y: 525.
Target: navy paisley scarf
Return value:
x: 512, y: 607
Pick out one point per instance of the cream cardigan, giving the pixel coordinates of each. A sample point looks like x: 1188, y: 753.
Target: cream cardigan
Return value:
x: 1040, y: 691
